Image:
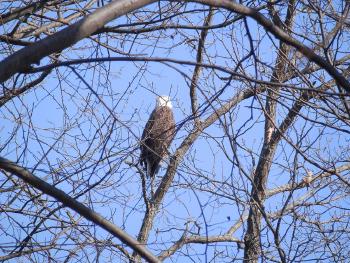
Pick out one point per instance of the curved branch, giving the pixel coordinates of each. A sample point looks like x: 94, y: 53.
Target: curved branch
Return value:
x: 77, y: 207
x: 161, y: 60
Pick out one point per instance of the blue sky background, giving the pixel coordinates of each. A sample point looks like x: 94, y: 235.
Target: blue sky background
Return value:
x: 91, y: 134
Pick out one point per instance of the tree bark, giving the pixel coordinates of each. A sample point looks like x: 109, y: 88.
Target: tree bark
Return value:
x: 22, y: 60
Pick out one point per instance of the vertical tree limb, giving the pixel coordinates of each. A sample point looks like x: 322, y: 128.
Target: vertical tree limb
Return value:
x: 198, y: 68
x: 252, y: 249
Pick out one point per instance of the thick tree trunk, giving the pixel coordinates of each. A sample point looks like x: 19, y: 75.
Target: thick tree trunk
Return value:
x: 252, y: 236
x: 272, y: 136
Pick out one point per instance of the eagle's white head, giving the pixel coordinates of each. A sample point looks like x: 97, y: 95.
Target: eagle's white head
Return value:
x: 164, y: 101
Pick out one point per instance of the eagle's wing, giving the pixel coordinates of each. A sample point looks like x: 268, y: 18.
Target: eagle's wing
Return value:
x: 145, y: 136
x: 169, y: 131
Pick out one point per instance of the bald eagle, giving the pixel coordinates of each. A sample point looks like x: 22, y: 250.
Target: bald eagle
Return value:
x: 157, y: 136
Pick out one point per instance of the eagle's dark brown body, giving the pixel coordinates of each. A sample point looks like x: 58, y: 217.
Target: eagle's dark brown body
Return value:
x: 156, y: 138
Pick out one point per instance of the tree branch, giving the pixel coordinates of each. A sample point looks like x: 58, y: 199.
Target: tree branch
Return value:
x: 22, y: 60
x: 77, y: 207
x: 281, y: 35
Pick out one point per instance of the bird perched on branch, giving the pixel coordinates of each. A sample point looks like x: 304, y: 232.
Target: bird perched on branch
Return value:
x: 308, y: 178
x: 157, y: 136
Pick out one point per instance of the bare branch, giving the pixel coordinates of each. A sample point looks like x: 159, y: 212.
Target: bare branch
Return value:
x: 281, y: 35
x: 77, y: 207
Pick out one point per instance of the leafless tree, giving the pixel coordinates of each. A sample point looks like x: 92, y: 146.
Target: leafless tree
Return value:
x: 258, y: 170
